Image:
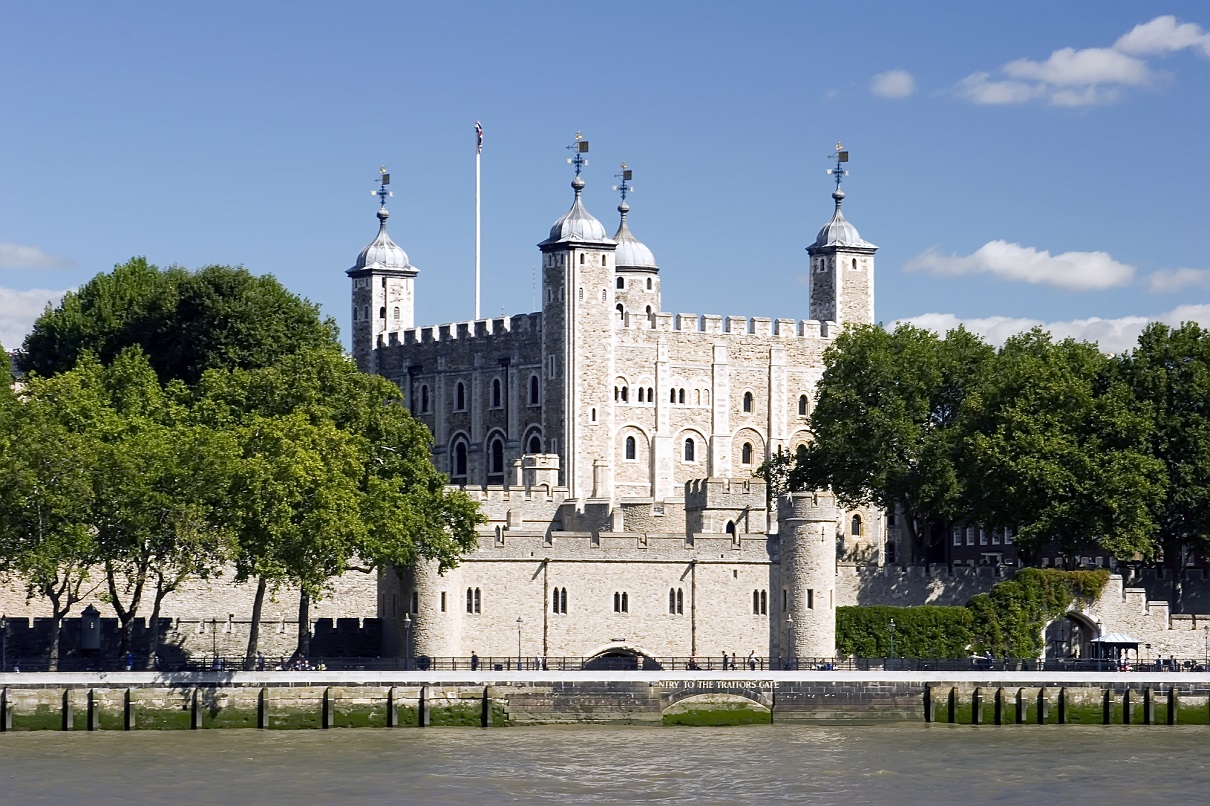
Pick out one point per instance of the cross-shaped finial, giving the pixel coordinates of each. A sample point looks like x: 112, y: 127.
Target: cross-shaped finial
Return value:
x: 382, y: 193
x: 624, y: 187
x: 579, y: 148
x: 841, y: 156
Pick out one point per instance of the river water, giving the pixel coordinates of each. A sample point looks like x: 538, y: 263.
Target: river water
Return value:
x: 899, y: 764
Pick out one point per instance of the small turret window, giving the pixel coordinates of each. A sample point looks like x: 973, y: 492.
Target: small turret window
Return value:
x: 396, y: 312
x: 648, y: 283
x: 424, y: 399
x: 621, y: 283
x: 581, y: 259
x: 747, y: 402
x: 854, y: 263
x: 495, y: 393
x: 460, y: 397
x: 680, y: 396
x: 382, y: 312
x: 533, y: 390
x: 802, y: 405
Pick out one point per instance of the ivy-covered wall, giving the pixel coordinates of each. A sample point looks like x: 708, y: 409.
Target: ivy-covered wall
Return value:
x: 920, y: 632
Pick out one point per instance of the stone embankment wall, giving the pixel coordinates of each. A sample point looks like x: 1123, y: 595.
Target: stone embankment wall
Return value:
x: 127, y: 701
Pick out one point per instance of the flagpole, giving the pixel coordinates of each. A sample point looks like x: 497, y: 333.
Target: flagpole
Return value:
x: 478, y: 157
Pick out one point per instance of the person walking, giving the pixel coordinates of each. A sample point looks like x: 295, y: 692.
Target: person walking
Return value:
x: 752, y: 660
x: 474, y: 661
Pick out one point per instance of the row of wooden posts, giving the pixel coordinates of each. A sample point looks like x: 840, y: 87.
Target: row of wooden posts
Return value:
x: 197, y: 707
x: 1011, y: 709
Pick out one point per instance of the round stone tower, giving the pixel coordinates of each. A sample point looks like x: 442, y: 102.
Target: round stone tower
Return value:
x: 807, y: 528
x: 441, y: 604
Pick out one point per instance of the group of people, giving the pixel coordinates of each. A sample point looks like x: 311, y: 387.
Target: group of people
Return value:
x: 731, y: 662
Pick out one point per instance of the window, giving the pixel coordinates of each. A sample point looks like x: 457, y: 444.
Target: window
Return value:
x: 641, y: 391
x: 496, y: 393
x: 550, y: 366
x: 982, y: 536
x: 443, y: 601
x: 621, y: 283
x: 957, y: 536
x: 621, y: 602
x: 970, y: 535
x: 630, y: 448
x: 495, y: 467
x: 354, y: 313
x: 1008, y: 537
x: 747, y: 401
x: 995, y: 537
x: 415, y: 602
x: 535, y: 444
x: 672, y: 396
x: 460, y: 397
x: 802, y: 405
x: 473, y: 601
x: 581, y: 258
x: 424, y: 398
x: 621, y: 312
x: 855, y: 526
x: 676, y: 601
x: 594, y: 414
x: 650, y: 395
x: 760, y: 603
x: 382, y: 312
x: 689, y: 450
x: 745, y: 454
x: 625, y: 393
x: 458, y: 467
x: 396, y: 313
x: 648, y: 283
x: 558, y: 601
x: 810, y: 599
x: 533, y: 390
x: 680, y: 397
x: 731, y: 528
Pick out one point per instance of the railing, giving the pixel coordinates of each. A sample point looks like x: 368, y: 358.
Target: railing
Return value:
x: 602, y: 663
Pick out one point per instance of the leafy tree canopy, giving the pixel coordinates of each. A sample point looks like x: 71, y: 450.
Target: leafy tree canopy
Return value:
x: 219, y: 317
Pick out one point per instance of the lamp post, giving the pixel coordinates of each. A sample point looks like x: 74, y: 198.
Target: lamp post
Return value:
x: 791, y: 654
x: 4, y: 643
x: 407, y: 639
x: 892, y: 638
x: 518, y: 643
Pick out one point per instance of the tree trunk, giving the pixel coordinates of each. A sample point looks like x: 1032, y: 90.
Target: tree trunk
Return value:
x: 254, y: 628
x: 153, y: 632
x: 304, y: 624
x: 1178, y: 581
x: 57, y: 626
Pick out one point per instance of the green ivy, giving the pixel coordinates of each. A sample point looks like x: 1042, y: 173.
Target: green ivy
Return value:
x: 920, y: 632
x: 1008, y: 620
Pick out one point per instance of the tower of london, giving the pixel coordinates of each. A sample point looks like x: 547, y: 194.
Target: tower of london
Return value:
x: 612, y: 446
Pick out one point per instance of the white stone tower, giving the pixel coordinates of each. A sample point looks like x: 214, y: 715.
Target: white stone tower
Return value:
x: 578, y: 317
x: 807, y: 530
x: 637, y: 284
x: 383, y: 290
x: 842, y: 266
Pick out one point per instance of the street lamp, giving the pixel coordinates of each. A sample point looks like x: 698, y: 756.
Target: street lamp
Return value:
x: 791, y: 654
x: 518, y: 643
x: 892, y: 630
x: 4, y: 643
x: 407, y: 639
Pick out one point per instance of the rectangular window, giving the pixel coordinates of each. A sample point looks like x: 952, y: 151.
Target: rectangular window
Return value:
x: 810, y: 599
x: 995, y: 537
x: 415, y: 602
x: 982, y: 536
x: 957, y: 537
x: 443, y: 601
x: 970, y: 535
x: 1008, y: 537
x: 785, y: 599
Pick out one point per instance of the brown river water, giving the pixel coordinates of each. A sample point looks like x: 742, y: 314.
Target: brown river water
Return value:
x: 902, y: 764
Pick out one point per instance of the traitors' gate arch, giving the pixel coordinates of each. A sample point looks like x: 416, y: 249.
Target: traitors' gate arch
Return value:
x: 621, y: 656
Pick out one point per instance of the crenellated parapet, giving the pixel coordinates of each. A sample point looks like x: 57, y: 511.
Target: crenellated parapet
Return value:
x: 739, y: 326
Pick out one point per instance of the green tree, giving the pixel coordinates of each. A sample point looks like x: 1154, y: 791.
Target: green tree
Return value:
x: 1056, y: 446
x: 47, y: 497
x: 219, y: 317
x: 1170, y: 370
x: 884, y: 422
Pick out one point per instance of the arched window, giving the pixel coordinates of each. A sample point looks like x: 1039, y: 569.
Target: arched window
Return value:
x: 641, y: 390
x: 424, y: 398
x: 458, y: 470
x: 756, y: 603
x: 396, y: 312
x: 680, y: 396
x: 473, y: 601
x: 689, y: 450
x: 648, y: 283
x: 747, y: 401
x: 854, y: 263
x: 630, y: 448
x: 731, y: 528
x: 697, y: 397
x: 365, y: 312
x: 558, y: 601
x: 594, y: 414
x: 676, y: 601
x: 746, y: 454
x: 802, y: 405
x: 800, y: 454
x: 581, y: 258
x: 621, y: 602
x: 496, y: 462
x: 460, y: 397
x: 621, y: 283
x: 855, y: 527
x: 382, y: 312
x: 533, y: 390
x: 495, y: 393
x: 650, y: 394
x: 354, y: 313
x: 621, y: 312
x: 625, y: 393
x: 671, y: 395
x: 535, y: 444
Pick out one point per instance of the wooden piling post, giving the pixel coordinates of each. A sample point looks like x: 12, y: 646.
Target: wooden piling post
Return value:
x: 1062, y: 706
x: 485, y: 715
x: 424, y: 708
x: 1174, y: 704
x: 325, y: 717
x: 69, y: 714
x: 93, y: 721
x: 1148, y: 706
x: 930, y: 705
x: 998, y: 707
x: 1020, y: 715
x: 1107, y: 707
x: 6, y: 712
x: 1043, y: 706
x: 953, y: 705
x: 195, y: 711
x: 262, y: 709
x: 128, y: 722
x: 977, y: 706
x: 392, y: 714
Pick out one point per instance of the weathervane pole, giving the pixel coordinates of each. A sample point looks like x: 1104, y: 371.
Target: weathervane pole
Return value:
x: 478, y: 157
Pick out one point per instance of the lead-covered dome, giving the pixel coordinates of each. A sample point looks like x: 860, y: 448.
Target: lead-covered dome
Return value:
x: 382, y: 252
x: 838, y: 231
x: 631, y: 252
x: 577, y: 224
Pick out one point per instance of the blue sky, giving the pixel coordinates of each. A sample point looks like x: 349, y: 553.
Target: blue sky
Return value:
x: 1017, y: 163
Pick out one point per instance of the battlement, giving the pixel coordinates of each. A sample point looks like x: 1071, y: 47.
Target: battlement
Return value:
x: 473, y: 329
x: 758, y: 326
x: 487, y: 496
x: 724, y: 493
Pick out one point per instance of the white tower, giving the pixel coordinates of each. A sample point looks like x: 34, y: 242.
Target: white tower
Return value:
x: 842, y: 266
x: 383, y: 290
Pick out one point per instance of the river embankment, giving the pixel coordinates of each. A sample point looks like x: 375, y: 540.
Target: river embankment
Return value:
x: 331, y: 699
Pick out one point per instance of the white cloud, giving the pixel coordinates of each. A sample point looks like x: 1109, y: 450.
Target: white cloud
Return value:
x: 1168, y: 281
x: 1113, y: 335
x: 1163, y: 35
x: 19, y: 309
x: 19, y: 256
x: 893, y: 84
x: 1086, y: 76
x: 1076, y: 271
